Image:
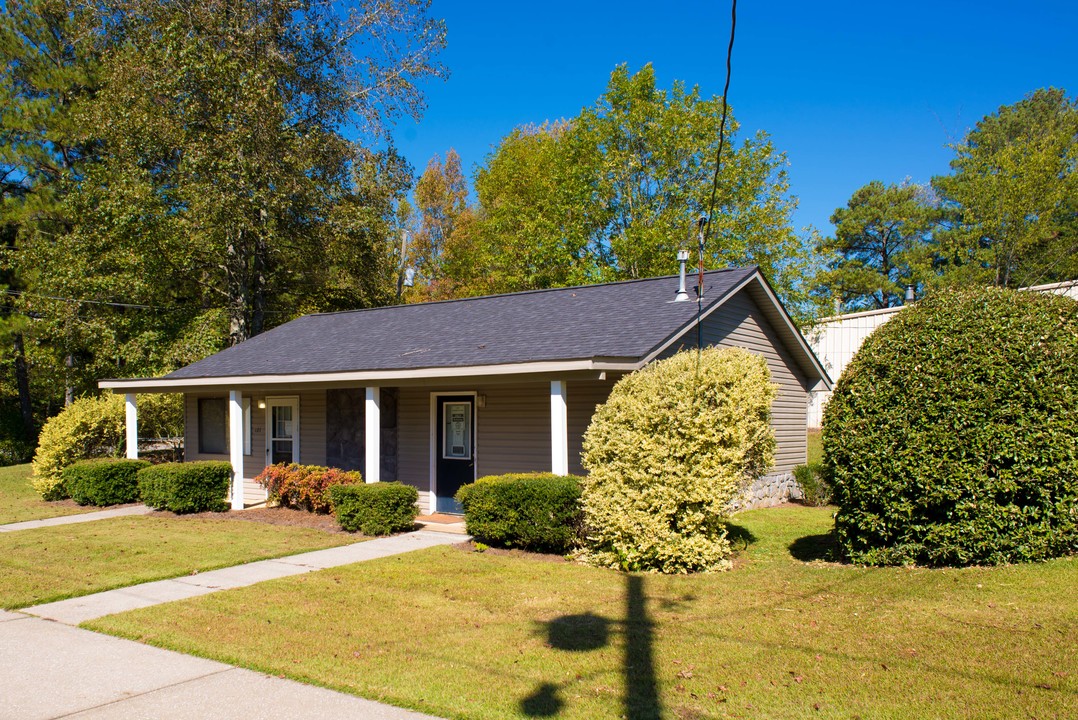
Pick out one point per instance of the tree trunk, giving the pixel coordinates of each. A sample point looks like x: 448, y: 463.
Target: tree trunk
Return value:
x: 237, y: 290
x: 258, y: 292
x: 22, y: 379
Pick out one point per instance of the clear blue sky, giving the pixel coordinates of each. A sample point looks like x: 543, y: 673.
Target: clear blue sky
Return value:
x: 851, y: 91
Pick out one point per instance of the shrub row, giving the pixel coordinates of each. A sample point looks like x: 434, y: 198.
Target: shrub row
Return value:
x: 186, y: 487
x: 103, y: 481
x: 376, y: 508
x: 179, y: 487
x: 531, y: 511
x: 304, y: 487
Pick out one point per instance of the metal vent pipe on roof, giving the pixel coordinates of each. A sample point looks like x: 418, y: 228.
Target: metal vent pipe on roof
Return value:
x: 682, y: 258
x: 910, y: 297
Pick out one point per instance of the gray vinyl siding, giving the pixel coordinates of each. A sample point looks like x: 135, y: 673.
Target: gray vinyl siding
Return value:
x: 312, y: 435
x: 583, y: 397
x: 413, y: 442
x: 740, y: 323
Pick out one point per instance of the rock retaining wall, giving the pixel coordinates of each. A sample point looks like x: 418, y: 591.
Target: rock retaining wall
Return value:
x: 768, y: 491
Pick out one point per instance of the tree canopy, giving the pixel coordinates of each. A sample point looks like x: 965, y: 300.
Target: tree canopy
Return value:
x: 614, y: 193
x: 177, y: 176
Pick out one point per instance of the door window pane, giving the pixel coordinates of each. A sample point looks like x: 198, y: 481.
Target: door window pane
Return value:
x: 457, y: 431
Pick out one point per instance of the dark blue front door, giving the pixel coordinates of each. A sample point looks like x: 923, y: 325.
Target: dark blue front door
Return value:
x: 454, y: 458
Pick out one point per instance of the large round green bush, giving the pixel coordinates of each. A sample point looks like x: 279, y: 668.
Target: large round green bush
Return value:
x: 672, y: 446
x: 952, y: 436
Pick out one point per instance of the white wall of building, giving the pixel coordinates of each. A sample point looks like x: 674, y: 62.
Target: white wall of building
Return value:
x: 835, y: 340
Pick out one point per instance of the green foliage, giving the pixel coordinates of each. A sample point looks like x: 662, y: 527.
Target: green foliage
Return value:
x: 103, y: 481
x: 186, y: 487
x: 952, y: 436
x: 304, y: 487
x: 879, y: 233
x: 531, y: 511
x: 90, y: 427
x: 614, y: 192
x: 1012, y: 197
x: 672, y: 446
x: 148, y: 234
x: 375, y: 508
x: 815, y: 490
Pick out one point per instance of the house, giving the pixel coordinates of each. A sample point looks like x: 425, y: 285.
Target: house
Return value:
x: 437, y: 394
x: 835, y: 340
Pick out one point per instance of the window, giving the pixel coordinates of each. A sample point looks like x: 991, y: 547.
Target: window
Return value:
x: 213, y: 426
x: 457, y: 431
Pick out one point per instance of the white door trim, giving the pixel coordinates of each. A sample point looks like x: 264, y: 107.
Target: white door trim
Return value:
x: 293, y: 401
x: 432, y: 502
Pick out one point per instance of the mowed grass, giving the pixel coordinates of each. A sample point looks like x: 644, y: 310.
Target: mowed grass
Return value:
x: 19, y: 501
x: 815, y: 446
x: 38, y: 566
x: 784, y: 635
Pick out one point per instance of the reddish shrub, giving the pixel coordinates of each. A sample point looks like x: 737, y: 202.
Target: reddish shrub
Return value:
x: 304, y: 486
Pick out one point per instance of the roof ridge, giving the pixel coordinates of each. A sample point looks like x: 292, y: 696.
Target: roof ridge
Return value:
x: 747, y: 268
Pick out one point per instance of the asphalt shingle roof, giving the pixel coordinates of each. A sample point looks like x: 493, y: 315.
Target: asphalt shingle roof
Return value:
x: 616, y: 320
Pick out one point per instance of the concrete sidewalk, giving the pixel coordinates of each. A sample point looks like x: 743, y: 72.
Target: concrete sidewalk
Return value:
x: 56, y: 671
x: 80, y: 518
x: 88, y: 607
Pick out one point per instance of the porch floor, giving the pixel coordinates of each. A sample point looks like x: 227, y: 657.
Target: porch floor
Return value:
x: 443, y: 522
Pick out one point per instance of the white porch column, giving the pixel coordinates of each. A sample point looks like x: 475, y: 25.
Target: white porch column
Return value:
x: 559, y: 428
x: 235, y: 445
x: 372, y: 422
x: 131, y: 407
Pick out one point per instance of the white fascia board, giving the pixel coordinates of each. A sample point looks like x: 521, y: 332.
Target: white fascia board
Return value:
x: 368, y: 377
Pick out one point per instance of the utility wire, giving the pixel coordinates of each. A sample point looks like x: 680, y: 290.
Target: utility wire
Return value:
x: 704, y: 228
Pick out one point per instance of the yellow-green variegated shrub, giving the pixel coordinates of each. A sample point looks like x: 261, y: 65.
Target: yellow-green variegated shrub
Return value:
x: 667, y: 452
x: 90, y: 427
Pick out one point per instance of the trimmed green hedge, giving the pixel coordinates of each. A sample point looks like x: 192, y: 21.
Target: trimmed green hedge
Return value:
x: 952, y: 436
x: 531, y: 511
x: 104, y: 481
x: 375, y: 508
x: 186, y: 487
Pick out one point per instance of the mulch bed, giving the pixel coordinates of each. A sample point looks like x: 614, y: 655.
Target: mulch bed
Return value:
x: 272, y: 516
x: 524, y: 554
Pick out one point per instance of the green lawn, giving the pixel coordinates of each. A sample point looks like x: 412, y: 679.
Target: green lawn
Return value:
x: 19, y: 501
x: 468, y: 635
x: 38, y: 566
x: 815, y: 447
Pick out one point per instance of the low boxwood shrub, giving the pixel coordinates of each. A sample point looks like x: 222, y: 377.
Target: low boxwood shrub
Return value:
x: 815, y: 490
x: 531, y: 511
x: 666, y: 454
x: 186, y: 487
x: 952, y: 435
x: 104, y: 481
x: 304, y: 487
x: 375, y: 508
x: 89, y: 427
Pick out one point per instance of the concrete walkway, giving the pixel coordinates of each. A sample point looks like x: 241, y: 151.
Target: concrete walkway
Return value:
x: 80, y: 518
x: 58, y: 671
x: 55, y: 671
x: 89, y: 607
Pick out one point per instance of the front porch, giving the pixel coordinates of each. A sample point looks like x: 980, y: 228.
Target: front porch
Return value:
x: 432, y: 437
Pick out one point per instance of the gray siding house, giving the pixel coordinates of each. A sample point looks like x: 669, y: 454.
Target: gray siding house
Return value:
x: 437, y: 394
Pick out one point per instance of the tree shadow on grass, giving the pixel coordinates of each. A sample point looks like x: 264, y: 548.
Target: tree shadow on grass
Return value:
x: 585, y: 632
x: 816, y: 547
